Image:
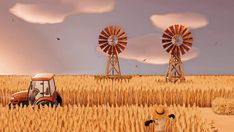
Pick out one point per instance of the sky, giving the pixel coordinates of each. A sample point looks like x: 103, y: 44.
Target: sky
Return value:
x: 29, y: 31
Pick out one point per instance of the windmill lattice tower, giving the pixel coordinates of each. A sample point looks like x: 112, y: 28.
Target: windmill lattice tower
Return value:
x: 177, y: 40
x: 112, y: 41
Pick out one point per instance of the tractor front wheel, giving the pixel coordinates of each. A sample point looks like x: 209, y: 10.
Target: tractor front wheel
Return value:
x: 10, y: 106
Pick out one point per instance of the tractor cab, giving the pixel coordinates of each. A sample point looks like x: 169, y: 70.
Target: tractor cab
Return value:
x: 41, y: 87
x: 42, y: 90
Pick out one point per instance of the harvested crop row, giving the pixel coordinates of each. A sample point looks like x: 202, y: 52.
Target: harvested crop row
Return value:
x: 223, y: 106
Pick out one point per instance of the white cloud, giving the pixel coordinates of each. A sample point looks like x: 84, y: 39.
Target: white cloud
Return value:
x: 95, y: 6
x: 39, y: 13
x: 56, y: 11
x: 191, y: 20
x: 148, y: 49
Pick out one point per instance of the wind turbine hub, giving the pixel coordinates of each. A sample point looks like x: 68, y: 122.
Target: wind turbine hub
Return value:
x: 177, y: 39
x: 113, y: 40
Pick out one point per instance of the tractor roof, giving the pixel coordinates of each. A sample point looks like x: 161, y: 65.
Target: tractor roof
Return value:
x: 43, y: 77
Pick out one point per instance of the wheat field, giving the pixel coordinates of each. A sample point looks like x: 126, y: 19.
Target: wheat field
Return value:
x: 104, y: 105
x: 140, y: 90
x: 98, y: 119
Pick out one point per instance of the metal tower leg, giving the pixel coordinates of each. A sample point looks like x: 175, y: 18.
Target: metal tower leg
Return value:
x: 113, y: 67
x: 175, y: 70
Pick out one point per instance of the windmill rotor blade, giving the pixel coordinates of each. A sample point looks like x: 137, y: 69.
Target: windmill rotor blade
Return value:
x: 118, y: 31
x: 123, y: 38
x: 102, y: 37
x: 107, y: 31
x: 104, y: 34
x: 114, y: 30
x: 111, y: 28
x: 172, y: 30
x: 118, y: 49
x: 166, y: 40
x: 114, y: 50
x: 182, y: 50
x: 165, y: 36
x: 120, y: 46
x: 122, y: 34
x: 184, y: 31
x: 188, y: 40
x: 169, y: 32
x: 102, y: 41
x: 166, y: 45
x: 188, y: 34
x: 181, y: 29
x: 110, y: 50
x: 178, y: 50
x: 173, y: 49
x: 123, y: 43
x: 188, y: 44
x: 106, y: 48
x: 176, y: 29
x: 185, y: 47
x: 103, y: 46
x: 169, y: 49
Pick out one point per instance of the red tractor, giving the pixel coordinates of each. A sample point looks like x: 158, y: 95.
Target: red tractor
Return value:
x: 42, y: 91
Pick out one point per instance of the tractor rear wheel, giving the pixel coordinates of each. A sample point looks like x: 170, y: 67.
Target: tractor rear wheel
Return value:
x: 45, y: 103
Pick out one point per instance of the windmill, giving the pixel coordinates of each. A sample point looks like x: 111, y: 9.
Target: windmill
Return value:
x: 176, y: 40
x: 112, y: 41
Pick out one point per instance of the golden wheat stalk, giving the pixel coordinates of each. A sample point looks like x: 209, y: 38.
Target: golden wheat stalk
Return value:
x: 144, y: 90
x: 98, y: 118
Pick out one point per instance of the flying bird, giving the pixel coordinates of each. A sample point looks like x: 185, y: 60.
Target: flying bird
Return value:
x: 216, y: 43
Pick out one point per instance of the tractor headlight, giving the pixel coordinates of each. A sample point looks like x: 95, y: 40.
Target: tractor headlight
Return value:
x: 12, y: 97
